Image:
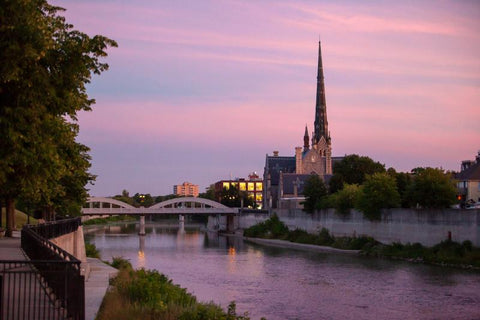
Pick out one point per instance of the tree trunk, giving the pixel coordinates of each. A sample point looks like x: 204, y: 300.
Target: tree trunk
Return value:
x: 10, y: 217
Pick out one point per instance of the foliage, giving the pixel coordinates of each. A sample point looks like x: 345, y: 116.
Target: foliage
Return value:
x: 91, y: 250
x: 403, y: 181
x: 353, y: 169
x: 432, y: 188
x: 379, y: 191
x: 45, y: 66
x: 148, y: 294
x: 121, y: 263
x: 346, y: 198
x: 209, y: 193
x: 444, y: 253
x: 232, y: 197
x: 315, y: 192
x: 270, y: 228
x: 107, y: 220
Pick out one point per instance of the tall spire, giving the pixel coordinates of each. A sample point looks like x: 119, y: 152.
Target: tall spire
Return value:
x: 306, y: 140
x: 321, y: 123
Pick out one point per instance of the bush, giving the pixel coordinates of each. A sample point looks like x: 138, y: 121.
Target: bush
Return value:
x: 271, y: 228
x: 148, y: 294
x: 121, y: 263
x: 91, y: 250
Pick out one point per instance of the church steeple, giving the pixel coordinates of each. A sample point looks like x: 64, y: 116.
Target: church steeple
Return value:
x: 321, y: 123
x: 306, y: 140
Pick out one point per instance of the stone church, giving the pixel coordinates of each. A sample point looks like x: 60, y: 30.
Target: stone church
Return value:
x: 285, y: 176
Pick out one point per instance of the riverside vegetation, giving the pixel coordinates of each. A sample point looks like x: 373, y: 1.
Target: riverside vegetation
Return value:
x: 148, y: 294
x: 445, y: 253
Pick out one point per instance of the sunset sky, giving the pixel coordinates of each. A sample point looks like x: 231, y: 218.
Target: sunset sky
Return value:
x: 201, y: 91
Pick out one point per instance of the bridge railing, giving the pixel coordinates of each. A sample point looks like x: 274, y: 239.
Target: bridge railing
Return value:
x: 57, y: 271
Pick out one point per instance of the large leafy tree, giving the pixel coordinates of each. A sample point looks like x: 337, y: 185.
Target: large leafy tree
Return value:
x: 315, y: 191
x: 44, y: 67
x: 234, y: 198
x: 377, y: 192
x: 432, y: 188
x: 353, y: 169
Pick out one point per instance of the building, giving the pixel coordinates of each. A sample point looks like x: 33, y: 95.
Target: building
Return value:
x: 468, y: 178
x: 186, y: 189
x: 253, y: 186
x: 284, y: 176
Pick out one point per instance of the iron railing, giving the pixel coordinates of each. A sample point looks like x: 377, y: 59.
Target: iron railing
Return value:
x: 57, y: 228
x: 48, y: 286
x: 25, y: 293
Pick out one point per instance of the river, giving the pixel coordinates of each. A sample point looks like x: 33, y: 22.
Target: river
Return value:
x: 279, y: 283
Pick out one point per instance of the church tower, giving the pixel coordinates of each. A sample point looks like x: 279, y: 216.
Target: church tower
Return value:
x: 321, y: 123
x: 318, y: 159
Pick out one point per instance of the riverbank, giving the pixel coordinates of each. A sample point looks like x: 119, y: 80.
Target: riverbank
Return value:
x: 148, y: 294
x: 447, y: 253
x: 298, y: 246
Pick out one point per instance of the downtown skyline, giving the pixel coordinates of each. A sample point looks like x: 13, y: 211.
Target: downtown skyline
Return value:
x: 200, y: 92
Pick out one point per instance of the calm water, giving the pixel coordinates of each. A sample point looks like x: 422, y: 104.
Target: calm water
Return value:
x: 288, y: 284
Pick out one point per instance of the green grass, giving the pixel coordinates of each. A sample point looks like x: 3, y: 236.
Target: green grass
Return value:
x: 20, y: 219
x: 97, y: 221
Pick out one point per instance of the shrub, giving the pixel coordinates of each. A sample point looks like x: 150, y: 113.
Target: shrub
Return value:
x: 270, y: 228
x: 120, y: 263
x: 91, y: 250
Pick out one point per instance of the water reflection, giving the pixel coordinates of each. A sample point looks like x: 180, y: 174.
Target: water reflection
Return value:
x: 286, y: 284
x: 141, y: 251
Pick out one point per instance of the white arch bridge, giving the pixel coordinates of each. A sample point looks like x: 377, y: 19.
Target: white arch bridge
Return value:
x: 98, y: 206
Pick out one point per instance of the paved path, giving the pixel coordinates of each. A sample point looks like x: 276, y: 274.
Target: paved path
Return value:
x: 95, y: 286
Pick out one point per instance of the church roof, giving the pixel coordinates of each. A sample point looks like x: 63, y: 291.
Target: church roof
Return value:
x: 290, y: 178
x: 275, y: 164
x: 471, y: 173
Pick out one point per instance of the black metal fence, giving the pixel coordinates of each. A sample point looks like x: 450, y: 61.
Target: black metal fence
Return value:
x: 25, y: 293
x: 49, y: 285
x: 57, y: 228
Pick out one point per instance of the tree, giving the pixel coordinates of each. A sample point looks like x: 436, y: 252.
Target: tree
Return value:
x: 346, y: 198
x: 378, y: 191
x: 432, y: 188
x: 44, y: 67
x: 209, y: 193
x: 232, y: 197
x: 403, y: 181
x: 142, y: 200
x: 315, y: 192
x: 353, y: 169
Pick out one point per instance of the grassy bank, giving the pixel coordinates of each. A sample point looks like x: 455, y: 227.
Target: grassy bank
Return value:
x: 445, y: 253
x: 148, y: 294
x: 97, y: 221
x: 20, y: 219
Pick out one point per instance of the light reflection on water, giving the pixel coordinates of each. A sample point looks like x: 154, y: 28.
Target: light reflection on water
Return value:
x: 286, y: 284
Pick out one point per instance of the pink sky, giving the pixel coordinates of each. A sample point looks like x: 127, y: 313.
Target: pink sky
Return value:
x: 201, y: 90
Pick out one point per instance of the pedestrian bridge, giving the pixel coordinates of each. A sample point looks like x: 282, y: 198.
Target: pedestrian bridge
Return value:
x: 98, y: 206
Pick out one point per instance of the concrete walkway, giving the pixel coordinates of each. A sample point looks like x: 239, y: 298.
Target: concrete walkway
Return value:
x: 95, y: 286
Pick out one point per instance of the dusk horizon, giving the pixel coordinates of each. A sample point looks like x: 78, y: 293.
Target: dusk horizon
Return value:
x: 202, y: 93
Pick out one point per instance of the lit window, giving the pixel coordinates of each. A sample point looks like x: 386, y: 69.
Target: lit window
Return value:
x: 243, y: 186
x: 226, y: 185
x: 259, y: 186
x: 251, y: 186
x: 258, y: 197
